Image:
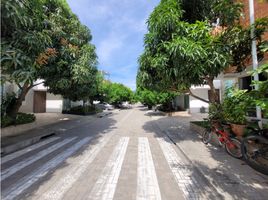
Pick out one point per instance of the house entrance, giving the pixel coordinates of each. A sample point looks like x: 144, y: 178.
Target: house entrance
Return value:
x: 39, y: 101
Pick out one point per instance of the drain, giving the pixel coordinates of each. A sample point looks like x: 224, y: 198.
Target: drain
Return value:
x: 47, y: 136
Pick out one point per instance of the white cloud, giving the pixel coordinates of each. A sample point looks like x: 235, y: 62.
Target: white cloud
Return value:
x: 118, y: 28
x: 109, y: 46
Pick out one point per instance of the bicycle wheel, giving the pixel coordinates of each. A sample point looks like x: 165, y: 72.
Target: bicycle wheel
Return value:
x: 206, y: 136
x: 255, y: 152
x: 233, y: 148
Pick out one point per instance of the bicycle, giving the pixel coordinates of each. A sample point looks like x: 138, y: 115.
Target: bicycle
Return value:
x: 255, y: 149
x: 230, y: 143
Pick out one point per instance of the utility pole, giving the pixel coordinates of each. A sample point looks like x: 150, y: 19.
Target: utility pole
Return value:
x: 254, y: 53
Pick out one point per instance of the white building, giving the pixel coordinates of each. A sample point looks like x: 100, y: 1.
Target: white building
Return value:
x: 38, y: 100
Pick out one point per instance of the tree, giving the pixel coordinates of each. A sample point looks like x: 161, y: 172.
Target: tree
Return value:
x: 181, y: 51
x: 152, y: 98
x: 45, y: 40
x: 116, y: 93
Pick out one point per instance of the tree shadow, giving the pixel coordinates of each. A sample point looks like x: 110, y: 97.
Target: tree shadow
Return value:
x: 96, y: 129
x: 230, y: 176
x: 155, y: 113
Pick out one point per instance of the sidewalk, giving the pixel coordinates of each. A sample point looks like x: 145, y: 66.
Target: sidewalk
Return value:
x: 46, y: 124
x: 231, y: 177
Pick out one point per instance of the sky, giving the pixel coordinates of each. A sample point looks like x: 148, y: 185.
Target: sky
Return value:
x: 118, y: 28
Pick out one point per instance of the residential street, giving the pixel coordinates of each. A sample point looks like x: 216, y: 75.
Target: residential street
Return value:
x: 130, y: 154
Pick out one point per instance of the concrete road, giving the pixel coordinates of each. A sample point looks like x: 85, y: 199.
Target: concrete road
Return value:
x: 122, y: 156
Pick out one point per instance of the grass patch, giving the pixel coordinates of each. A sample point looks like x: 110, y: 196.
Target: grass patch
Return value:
x: 22, y: 118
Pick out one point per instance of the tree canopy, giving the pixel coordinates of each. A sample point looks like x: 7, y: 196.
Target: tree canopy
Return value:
x: 45, y: 40
x: 184, y: 49
x: 152, y: 98
x: 116, y: 93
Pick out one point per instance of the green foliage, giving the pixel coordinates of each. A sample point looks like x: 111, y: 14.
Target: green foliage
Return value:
x: 215, y: 112
x: 152, y: 98
x: 6, y: 121
x: 6, y: 103
x: 184, y: 49
x: 116, y: 93
x: 113, y: 93
x: 81, y: 110
x: 260, y: 96
x: 45, y: 40
x: 22, y: 118
x: 147, y: 97
x: 202, y: 10
x: 235, y: 105
x: 23, y: 38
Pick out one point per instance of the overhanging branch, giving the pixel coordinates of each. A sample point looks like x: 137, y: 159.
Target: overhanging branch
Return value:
x: 197, y: 97
x: 37, y: 84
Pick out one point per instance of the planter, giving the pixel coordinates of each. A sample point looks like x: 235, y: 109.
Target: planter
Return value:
x: 238, y: 129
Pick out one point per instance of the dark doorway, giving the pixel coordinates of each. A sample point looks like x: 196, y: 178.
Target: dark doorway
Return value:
x: 40, y: 101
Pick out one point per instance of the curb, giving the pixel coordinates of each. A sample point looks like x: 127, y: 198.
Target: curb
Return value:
x: 22, y: 144
x: 104, y: 114
x: 200, y: 130
x: 10, y: 148
x: 198, y: 170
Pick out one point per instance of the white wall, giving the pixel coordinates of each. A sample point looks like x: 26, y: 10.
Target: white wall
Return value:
x: 76, y: 103
x: 27, y: 104
x: 179, y: 102
x: 54, y: 103
x: 195, y: 104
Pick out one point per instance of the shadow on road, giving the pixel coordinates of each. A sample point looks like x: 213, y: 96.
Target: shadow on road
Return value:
x: 96, y: 129
x: 227, y: 174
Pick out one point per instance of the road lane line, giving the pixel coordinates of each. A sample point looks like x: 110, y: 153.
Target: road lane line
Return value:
x: 182, y: 172
x: 147, y: 184
x: 59, y: 188
x: 105, y: 186
x: 30, y: 179
x: 24, y: 163
x: 26, y: 150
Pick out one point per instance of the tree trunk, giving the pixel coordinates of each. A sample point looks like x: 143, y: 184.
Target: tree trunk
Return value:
x: 13, y: 111
x: 214, y: 96
x: 84, y: 103
x: 91, y: 102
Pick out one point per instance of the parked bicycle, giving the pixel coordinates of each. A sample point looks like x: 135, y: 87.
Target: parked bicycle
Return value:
x: 225, y: 138
x: 255, y: 149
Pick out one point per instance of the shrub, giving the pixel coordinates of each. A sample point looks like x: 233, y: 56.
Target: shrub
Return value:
x: 81, y: 110
x: 7, y: 102
x: 215, y: 112
x: 6, y: 121
x: 22, y: 118
x: 235, y: 105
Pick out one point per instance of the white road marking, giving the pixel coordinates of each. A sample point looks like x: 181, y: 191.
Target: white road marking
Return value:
x: 24, y: 163
x: 147, y: 184
x: 105, y: 186
x: 180, y: 170
x: 60, y: 187
x: 30, y: 179
x: 26, y: 150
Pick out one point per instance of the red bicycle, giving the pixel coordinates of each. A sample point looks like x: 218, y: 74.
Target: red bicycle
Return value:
x: 225, y: 138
